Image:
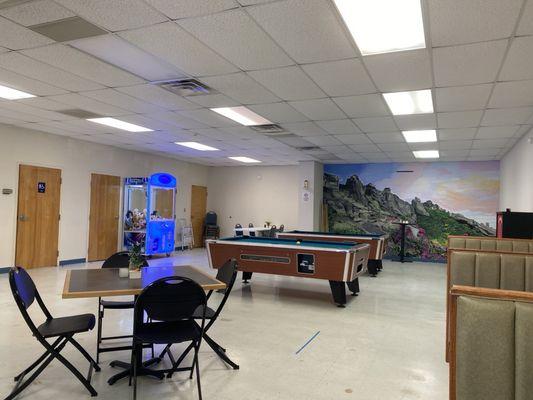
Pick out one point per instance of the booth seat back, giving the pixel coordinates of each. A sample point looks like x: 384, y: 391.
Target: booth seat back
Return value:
x: 492, y: 350
x: 490, y: 244
x: 491, y: 270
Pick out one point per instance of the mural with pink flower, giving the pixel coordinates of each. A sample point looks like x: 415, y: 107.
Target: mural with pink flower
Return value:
x: 437, y: 198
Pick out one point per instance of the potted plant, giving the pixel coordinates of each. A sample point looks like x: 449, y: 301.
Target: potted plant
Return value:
x: 136, y: 261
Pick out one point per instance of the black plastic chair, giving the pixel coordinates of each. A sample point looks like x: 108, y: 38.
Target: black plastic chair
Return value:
x: 170, y: 305
x: 238, y: 230
x: 281, y: 228
x: 227, y: 274
x: 272, y: 232
x: 117, y: 260
x: 251, y: 233
x: 61, y: 329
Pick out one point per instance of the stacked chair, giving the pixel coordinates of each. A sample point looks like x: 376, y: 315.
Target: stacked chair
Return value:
x: 251, y: 233
x: 211, y: 228
x: 238, y: 230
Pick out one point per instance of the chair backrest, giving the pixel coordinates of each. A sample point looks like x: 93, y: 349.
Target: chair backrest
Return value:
x: 120, y: 260
x: 25, y: 293
x: 168, y: 299
x: 281, y: 228
x: 211, y: 218
x: 238, y: 232
x: 483, y: 243
x: 227, y: 274
x: 492, y: 351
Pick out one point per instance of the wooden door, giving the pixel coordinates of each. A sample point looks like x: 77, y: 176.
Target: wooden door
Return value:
x: 198, y: 210
x: 104, y: 216
x: 38, y: 216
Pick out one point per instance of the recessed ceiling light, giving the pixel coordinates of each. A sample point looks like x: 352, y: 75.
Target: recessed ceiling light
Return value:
x: 415, y: 102
x: 246, y: 160
x: 118, y: 52
x: 13, y: 94
x: 426, y: 154
x: 116, y: 123
x: 384, y: 26
x: 420, y: 136
x: 196, y: 146
x: 242, y: 115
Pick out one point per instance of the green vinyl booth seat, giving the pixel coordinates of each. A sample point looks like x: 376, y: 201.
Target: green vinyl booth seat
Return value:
x: 492, y: 350
x: 483, y: 243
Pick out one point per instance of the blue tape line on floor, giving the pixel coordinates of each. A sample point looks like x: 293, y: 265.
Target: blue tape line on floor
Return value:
x: 306, y: 343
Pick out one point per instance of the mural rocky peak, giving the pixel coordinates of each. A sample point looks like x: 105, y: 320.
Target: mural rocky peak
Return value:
x: 356, y: 207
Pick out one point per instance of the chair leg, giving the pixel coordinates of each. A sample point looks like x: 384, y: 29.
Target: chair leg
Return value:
x: 134, y: 364
x: 99, y: 331
x: 194, y: 361
x: 85, y: 354
x: 77, y: 374
x: 198, y: 376
x: 37, y: 362
x: 180, y: 359
x: 19, y: 388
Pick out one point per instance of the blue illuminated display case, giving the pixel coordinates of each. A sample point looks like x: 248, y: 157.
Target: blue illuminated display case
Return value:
x: 149, y: 215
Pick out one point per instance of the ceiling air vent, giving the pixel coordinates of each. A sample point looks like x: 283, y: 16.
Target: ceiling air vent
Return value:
x: 78, y: 113
x: 65, y: 30
x: 309, y: 148
x: 185, y: 87
x: 268, y: 129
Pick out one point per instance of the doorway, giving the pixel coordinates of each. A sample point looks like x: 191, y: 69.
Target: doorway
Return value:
x: 198, y: 211
x: 38, y: 216
x: 104, y: 216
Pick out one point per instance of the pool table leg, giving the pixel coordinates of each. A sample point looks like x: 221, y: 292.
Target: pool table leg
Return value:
x: 373, y: 268
x: 353, y: 286
x: 338, y: 290
x: 246, y: 276
x: 380, y: 265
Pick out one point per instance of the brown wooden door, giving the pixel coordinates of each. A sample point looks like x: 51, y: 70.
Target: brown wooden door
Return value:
x: 104, y: 216
x: 38, y: 216
x: 198, y: 210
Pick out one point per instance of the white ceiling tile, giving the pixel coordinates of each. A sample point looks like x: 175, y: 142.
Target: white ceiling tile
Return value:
x: 386, y: 137
x: 455, y: 145
x: 459, y: 21
x: 43, y: 102
x: 341, y: 78
x: 208, y: 117
x: 324, y: 140
x: 484, y: 152
x: 464, y: 119
x: 490, y: 144
x: 35, y: 69
x: 318, y: 109
x: 3, y: 50
x: 214, y: 100
x: 86, y: 66
x: 241, y: 88
x: 523, y: 129
x: 468, y: 64
x: 160, y: 97
x: 457, y: 134
x: 454, y: 153
x: 236, y: 37
x: 278, y: 112
x: 303, y: 26
x: 354, y: 158
x: 304, y: 128
x: 171, y: 43
x: 36, y: 12
x: 368, y: 105
x: 289, y: 83
x: 339, y: 127
x: 412, y: 70
x: 360, y: 139
x: 376, y: 124
x: 74, y: 100
x: 178, y: 120
x: 16, y: 37
x: 115, y: 15
x: 365, y: 148
x: 338, y: 150
x: 375, y: 157
x: 423, y: 146
x: 177, y: 9
x: 497, y: 132
x: 506, y: 116
x: 394, y: 147
x: 512, y: 94
x: 414, y: 122
x: 113, y: 97
x: 526, y: 22
x: 463, y: 98
x: 517, y: 65
x: 44, y: 115
x: 10, y: 114
x: 33, y: 86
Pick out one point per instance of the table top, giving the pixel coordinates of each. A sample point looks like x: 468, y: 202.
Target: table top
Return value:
x: 83, y: 283
x: 290, y: 243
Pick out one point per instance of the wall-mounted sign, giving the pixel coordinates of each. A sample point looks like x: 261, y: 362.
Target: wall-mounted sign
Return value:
x: 306, y: 195
x: 41, y: 187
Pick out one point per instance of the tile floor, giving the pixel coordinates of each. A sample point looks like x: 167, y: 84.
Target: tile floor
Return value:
x: 387, y: 344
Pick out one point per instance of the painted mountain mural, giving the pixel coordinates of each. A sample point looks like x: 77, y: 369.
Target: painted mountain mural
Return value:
x: 368, y: 198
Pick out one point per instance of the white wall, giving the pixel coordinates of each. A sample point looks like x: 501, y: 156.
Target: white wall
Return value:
x: 253, y: 194
x: 516, y: 177
x: 77, y: 160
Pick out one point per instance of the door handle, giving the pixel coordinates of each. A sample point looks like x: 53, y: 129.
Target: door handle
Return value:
x: 23, y: 218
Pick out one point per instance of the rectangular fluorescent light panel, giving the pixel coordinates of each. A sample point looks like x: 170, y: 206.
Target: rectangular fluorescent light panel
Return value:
x: 120, y: 53
x: 196, y: 146
x: 116, y: 123
x: 242, y: 115
x: 420, y: 136
x: 13, y: 94
x: 384, y: 26
x: 415, y: 102
x: 246, y: 160
x: 426, y: 154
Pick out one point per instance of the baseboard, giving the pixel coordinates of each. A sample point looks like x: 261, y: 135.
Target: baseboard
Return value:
x: 181, y: 249
x: 4, y: 270
x: 72, y: 261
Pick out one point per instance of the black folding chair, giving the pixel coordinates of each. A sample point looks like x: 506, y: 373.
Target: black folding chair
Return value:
x: 251, y: 232
x: 171, y: 305
x: 61, y: 329
x: 117, y: 260
x: 281, y: 228
x: 227, y: 274
x: 238, y: 230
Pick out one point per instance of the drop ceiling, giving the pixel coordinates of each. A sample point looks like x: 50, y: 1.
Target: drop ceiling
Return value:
x: 291, y: 61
